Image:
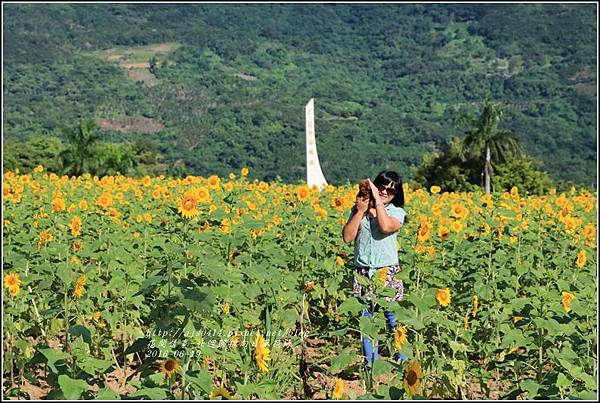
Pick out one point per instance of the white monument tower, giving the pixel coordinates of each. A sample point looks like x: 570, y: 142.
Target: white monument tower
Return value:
x: 314, y: 175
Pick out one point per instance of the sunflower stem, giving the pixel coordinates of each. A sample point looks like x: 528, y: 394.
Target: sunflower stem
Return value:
x: 66, y: 308
x: 145, y: 251
x: 183, y: 372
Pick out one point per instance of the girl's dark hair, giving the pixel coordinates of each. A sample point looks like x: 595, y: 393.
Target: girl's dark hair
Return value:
x: 385, y: 178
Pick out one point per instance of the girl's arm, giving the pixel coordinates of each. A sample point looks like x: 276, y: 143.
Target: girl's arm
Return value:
x: 387, y: 224
x: 352, y: 226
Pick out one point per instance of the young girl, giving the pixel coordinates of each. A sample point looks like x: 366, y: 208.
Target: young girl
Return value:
x: 374, y: 230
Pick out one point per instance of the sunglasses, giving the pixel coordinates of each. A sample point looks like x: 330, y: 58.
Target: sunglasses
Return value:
x: 390, y: 190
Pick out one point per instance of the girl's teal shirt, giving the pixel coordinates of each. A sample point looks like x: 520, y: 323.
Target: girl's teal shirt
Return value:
x: 372, y: 248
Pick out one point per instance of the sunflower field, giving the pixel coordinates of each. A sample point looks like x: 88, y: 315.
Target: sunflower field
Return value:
x: 219, y: 288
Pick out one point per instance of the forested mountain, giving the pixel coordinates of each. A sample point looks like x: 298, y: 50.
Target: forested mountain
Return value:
x: 216, y: 87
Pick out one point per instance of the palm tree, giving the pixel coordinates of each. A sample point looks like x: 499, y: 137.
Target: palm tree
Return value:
x: 77, y: 157
x: 486, y: 140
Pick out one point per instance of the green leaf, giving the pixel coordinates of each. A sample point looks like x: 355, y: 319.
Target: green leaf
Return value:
x: 152, y: 393
x: 65, y: 273
x: 137, y: 346
x: 351, y: 305
x: 72, y: 388
x: 202, y: 379
x: 338, y: 332
x: 562, y: 381
x: 198, y: 301
x: 423, y: 302
x: 381, y: 367
x: 458, y: 347
x: 80, y: 349
x: 107, y: 394
x: 94, y: 366
x: 53, y: 356
x: 78, y: 330
x: 531, y: 387
x: 342, y: 361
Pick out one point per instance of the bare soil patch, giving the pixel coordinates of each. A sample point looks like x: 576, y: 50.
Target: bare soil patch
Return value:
x: 131, y: 124
x: 590, y: 88
x: 142, y: 75
x: 246, y: 77
x: 117, y: 381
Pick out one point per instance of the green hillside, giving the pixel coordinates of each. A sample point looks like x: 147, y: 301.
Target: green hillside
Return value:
x: 220, y: 86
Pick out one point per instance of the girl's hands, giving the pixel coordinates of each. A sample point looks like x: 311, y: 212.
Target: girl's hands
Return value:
x: 362, y: 204
x: 374, y: 192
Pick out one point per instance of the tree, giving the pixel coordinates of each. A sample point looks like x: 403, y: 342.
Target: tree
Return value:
x: 487, y: 140
x: 78, y: 157
x: 114, y: 157
x: 449, y: 168
x: 37, y: 150
x: 524, y: 173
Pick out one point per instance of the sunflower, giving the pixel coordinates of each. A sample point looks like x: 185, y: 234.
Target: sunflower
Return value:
x: 436, y: 209
x: 226, y: 308
x: 244, y: 171
x: 309, y: 286
x: 261, y: 353
x: 412, y: 378
x: 302, y: 193
x: 13, y: 283
x: 435, y: 189
x: 263, y: 186
x: 382, y: 274
x: 321, y: 212
x: 234, y: 341
x: 339, y: 261
x: 214, y: 181
x: 400, y: 337
x: 419, y: 248
x: 45, y: 237
x: 226, y: 225
x: 79, y: 287
x: 71, y: 208
x: 75, y: 226
x: 169, y: 367
x: 105, y: 200
x: 187, y: 205
x: 581, y: 259
x: 338, y: 389
x: 423, y: 232
x: 516, y: 319
x: 457, y: 226
x: 443, y: 296
x: 337, y: 203
x: 475, y: 305
x: 443, y: 232
x: 589, y: 231
x: 58, y: 205
x: 567, y: 297
x: 466, y: 321
x: 458, y: 210
x: 219, y: 392
x: 203, y: 195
